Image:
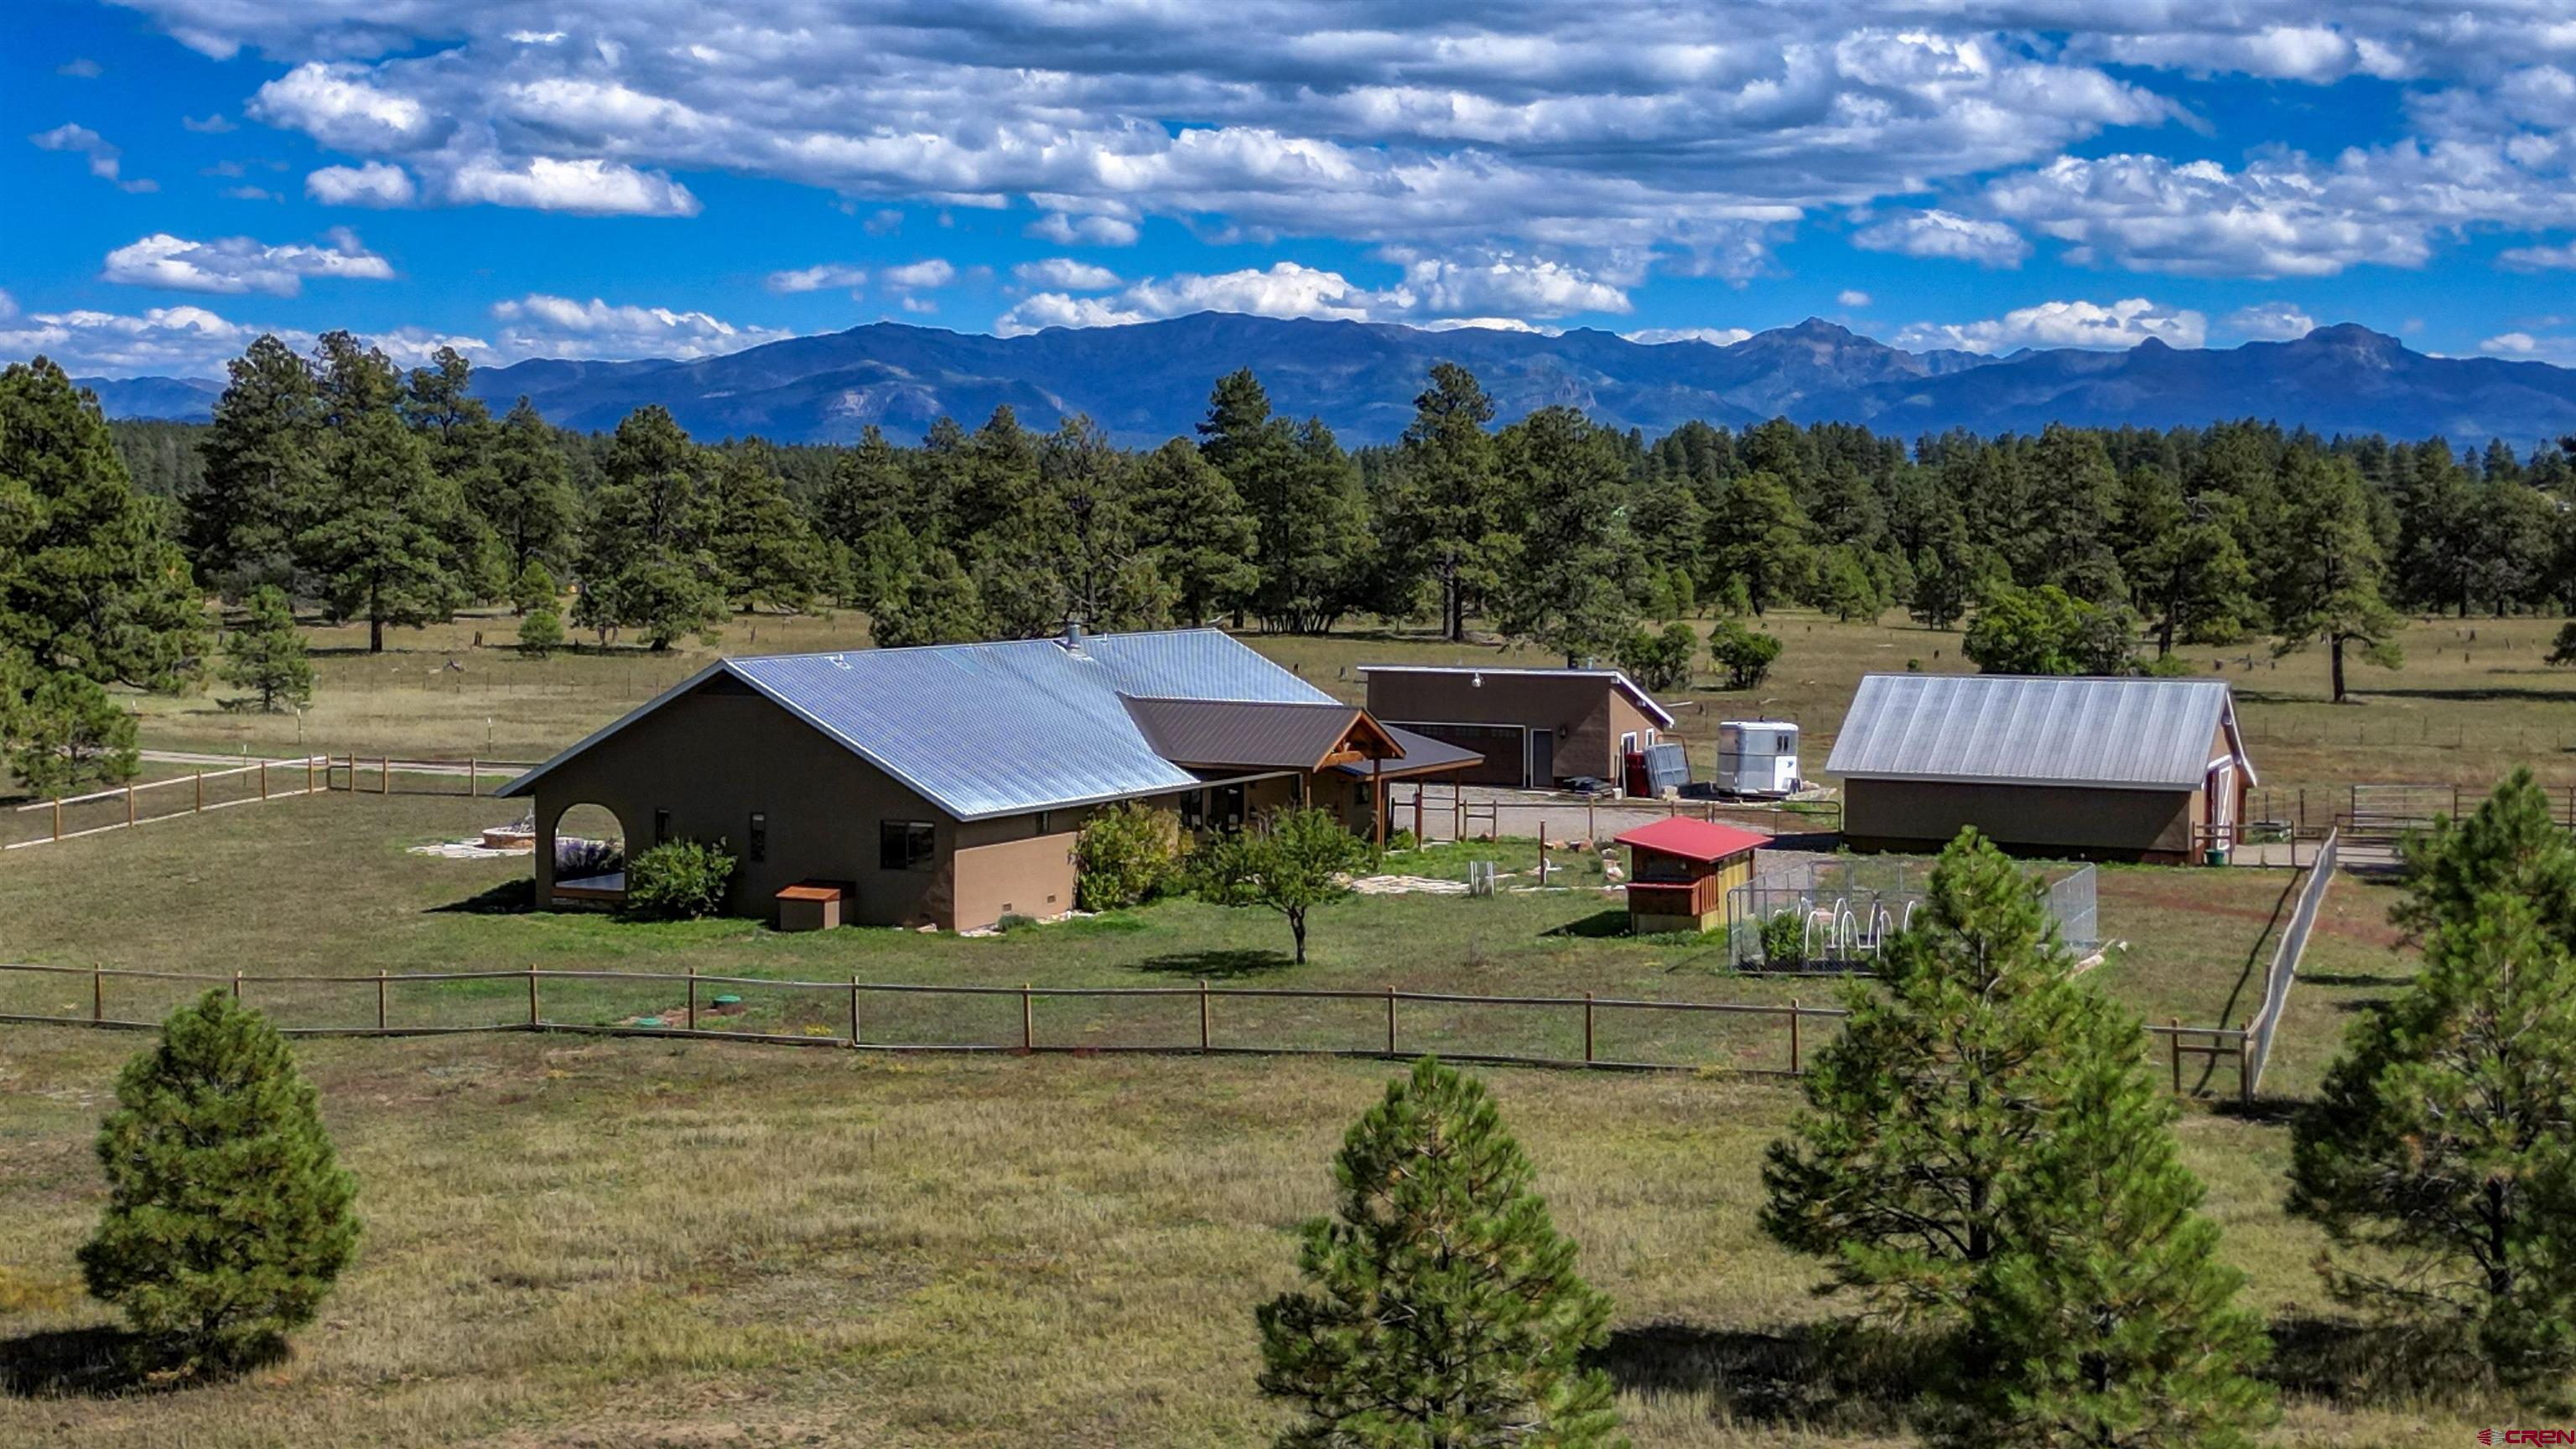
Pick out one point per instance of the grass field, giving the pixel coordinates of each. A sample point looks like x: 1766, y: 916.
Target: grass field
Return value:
x: 2465, y: 710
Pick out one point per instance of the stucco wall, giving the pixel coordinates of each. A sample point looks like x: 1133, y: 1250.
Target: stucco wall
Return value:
x: 1032, y: 876
x: 2056, y: 820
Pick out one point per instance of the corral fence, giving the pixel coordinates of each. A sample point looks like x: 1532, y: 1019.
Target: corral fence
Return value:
x: 1436, y: 812
x: 1588, y: 1031
x: 379, y: 774
x: 2284, y: 970
x: 122, y: 807
x: 1847, y: 907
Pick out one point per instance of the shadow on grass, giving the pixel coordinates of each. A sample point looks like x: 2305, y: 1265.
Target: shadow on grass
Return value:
x: 1833, y: 1377
x: 2354, y: 978
x: 1221, y: 964
x: 509, y: 898
x: 2359, y: 1364
x: 103, y: 1361
x: 1597, y: 926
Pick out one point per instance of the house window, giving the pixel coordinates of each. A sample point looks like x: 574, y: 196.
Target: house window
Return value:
x: 756, y: 842
x: 1194, y: 810
x: 661, y: 827
x: 1628, y: 743
x: 906, y: 844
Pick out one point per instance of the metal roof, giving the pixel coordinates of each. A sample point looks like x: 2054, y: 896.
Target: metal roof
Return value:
x: 1692, y: 839
x: 1248, y: 733
x: 1003, y: 728
x: 1617, y: 678
x: 2149, y: 734
x: 1423, y: 755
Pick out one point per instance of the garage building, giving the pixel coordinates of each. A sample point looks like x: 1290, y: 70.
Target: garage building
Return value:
x: 1534, y: 727
x: 2090, y: 769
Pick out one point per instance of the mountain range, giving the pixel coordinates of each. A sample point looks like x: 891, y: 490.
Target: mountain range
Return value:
x: 1149, y: 381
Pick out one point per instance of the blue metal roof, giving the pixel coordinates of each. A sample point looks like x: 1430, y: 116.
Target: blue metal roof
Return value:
x: 1004, y: 728
x: 2014, y: 729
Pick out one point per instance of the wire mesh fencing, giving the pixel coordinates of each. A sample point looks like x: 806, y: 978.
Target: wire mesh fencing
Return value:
x: 1837, y: 913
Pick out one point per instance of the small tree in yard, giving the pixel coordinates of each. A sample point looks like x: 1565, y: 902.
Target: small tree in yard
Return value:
x: 541, y: 631
x: 1443, y: 1307
x: 1291, y: 863
x: 535, y: 588
x: 228, y: 1214
x: 1126, y: 855
x: 678, y: 880
x: 266, y: 655
x: 1744, y: 653
x: 2444, y: 1141
x: 67, y: 731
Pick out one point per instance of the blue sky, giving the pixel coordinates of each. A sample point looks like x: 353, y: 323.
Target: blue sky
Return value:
x: 623, y: 178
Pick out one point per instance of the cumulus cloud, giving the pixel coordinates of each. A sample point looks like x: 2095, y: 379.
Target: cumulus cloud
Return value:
x: 2510, y: 344
x: 1434, y: 292
x: 82, y: 68
x: 211, y: 124
x: 1851, y: 297
x: 539, y: 325
x: 341, y: 107
x: 923, y: 275
x: 2539, y: 258
x: 1947, y: 234
x: 237, y: 264
x: 1065, y: 275
x: 185, y: 341
x: 2119, y: 324
x: 105, y: 161
x: 373, y: 184
x: 1713, y: 336
x: 2268, y: 322
x: 1065, y: 231
x: 589, y: 186
x: 818, y: 278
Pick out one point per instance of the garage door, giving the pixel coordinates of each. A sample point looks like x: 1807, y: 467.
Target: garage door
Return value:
x: 1505, y: 749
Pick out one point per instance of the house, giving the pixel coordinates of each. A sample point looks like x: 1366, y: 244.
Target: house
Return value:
x: 945, y: 784
x: 1534, y: 727
x: 2094, y: 769
x: 1681, y: 870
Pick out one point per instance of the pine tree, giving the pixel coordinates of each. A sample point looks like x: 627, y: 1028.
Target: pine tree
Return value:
x: 937, y: 603
x: 1572, y: 582
x: 761, y: 542
x: 526, y: 493
x: 2109, y: 1321
x: 1929, y: 1110
x: 1192, y: 521
x: 535, y: 588
x: 2327, y: 588
x: 64, y: 731
x: 1759, y: 534
x: 228, y: 1213
x: 541, y: 630
x: 1452, y: 508
x: 2443, y: 1145
x: 381, y: 538
x: 1444, y: 1306
x: 648, y: 563
x: 266, y: 655
x: 263, y: 462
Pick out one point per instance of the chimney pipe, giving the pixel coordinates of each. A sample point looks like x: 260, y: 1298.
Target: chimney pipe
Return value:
x: 1072, y: 639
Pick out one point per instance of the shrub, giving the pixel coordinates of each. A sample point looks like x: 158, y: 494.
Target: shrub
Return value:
x: 1745, y: 654
x: 1403, y: 840
x: 541, y: 631
x: 1784, y: 941
x: 1127, y: 855
x: 678, y: 880
x: 1660, y: 660
x: 228, y: 1215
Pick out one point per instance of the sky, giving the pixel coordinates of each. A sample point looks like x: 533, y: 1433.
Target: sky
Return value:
x: 673, y: 178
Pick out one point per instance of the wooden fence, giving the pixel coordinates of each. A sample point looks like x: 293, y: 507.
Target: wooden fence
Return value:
x: 703, y: 1007
x: 47, y: 822
x: 1436, y: 812
x: 375, y: 775
x: 2284, y: 970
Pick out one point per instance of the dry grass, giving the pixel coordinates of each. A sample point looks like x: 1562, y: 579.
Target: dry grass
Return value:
x: 631, y: 1243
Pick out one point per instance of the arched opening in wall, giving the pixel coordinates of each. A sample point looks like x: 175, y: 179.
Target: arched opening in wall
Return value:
x: 590, y: 851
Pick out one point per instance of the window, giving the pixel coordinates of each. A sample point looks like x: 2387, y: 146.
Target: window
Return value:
x: 906, y: 844
x: 756, y: 843
x: 661, y: 827
x: 1194, y: 810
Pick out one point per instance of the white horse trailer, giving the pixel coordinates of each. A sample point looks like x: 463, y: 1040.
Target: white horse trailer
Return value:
x: 1757, y: 757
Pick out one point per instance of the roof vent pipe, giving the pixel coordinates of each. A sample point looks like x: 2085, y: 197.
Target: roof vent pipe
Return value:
x: 1072, y: 640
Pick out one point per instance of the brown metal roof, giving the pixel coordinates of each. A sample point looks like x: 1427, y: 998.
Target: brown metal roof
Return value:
x: 1423, y: 755
x: 1256, y: 734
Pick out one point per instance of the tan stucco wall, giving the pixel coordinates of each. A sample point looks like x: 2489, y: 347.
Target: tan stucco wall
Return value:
x: 1032, y: 876
x: 1587, y: 715
x: 2039, y: 819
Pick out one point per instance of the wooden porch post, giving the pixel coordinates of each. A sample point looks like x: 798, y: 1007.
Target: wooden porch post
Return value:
x: 1377, y: 798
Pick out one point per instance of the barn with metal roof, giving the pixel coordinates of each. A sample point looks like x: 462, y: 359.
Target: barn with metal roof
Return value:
x: 2095, y: 769
x: 944, y: 784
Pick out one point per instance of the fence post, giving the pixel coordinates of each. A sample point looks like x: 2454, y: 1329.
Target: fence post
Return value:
x: 1203, y: 1006
x: 387, y: 787
x: 854, y: 1011
x: 263, y: 779
x: 308, y: 774
x: 2173, y: 1044
x: 97, y: 995
x: 129, y: 804
x: 201, y: 789
x: 1028, y: 1019
x: 1587, y: 1028
x: 236, y: 988
x: 1390, y: 1021
x: 1796, y: 1060
x: 532, y: 998
x: 470, y: 788
x: 693, y: 997
x: 58, y: 819
x: 380, y: 998
x: 2245, y: 1067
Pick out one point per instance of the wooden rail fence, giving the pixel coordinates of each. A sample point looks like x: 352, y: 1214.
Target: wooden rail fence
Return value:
x: 276, y: 779
x: 1586, y: 1010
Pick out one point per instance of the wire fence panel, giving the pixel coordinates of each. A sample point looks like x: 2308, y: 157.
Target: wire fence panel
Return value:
x: 2284, y: 969
x: 1849, y: 906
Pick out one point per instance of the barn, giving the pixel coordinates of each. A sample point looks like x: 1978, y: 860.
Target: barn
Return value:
x: 945, y: 785
x: 1533, y: 727
x: 2090, y: 769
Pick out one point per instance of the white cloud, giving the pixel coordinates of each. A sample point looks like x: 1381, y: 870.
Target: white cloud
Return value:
x: 2539, y: 258
x: 918, y: 276
x: 818, y: 278
x: 185, y: 341
x: 2066, y: 324
x: 213, y: 123
x: 342, y: 107
x: 2510, y: 344
x: 589, y: 186
x: 237, y: 264
x: 1851, y: 297
x: 1526, y: 287
x: 1066, y: 275
x: 1065, y: 231
x: 538, y: 325
x: 2268, y: 322
x: 1713, y: 336
x: 1495, y: 292
x: 252, y: 193
x: 82, y: 68
x: 1947, y: 234
x: 373, y: 184
x: 105, y: 161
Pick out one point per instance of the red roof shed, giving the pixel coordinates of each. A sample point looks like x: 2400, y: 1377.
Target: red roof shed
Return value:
x: 1693, y: 839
